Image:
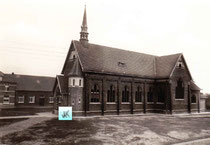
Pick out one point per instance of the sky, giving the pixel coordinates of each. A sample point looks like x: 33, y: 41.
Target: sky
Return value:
x: 35, y: 35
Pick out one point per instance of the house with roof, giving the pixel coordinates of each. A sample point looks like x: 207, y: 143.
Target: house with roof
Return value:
x: 25, y: 91
x: 100, y: 80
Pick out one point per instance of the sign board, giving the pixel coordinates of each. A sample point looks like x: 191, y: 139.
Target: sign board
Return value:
x: 65, y: 113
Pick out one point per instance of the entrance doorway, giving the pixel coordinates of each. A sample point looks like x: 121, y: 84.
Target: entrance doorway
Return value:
x: 41, y: 101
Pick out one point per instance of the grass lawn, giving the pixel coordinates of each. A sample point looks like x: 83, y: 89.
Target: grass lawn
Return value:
x: 22, y: 112
x: 144, y: 130
x: 5, y: 113
x: 4, y: 122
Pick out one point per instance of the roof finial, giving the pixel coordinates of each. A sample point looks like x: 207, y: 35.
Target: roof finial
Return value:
x: 84, y: 33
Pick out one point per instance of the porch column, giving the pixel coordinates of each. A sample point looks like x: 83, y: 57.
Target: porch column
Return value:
x: 170, y: 97
x: 132, y: 96
x: 199, y: 97
x: 103, y: 96
x: 189, y: 98
x: 118, y: 96
x: 145, y: 99
x: 86, y: 94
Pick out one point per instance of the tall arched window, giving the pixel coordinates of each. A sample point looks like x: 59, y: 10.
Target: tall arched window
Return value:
x: 95, y: 93
x: 125, y: 94
x: 193, y: 99
x: 138, y: 94
x: 180, y: 89
x: 161, y: 95
x: 111, y: 94
x: 150, y: 95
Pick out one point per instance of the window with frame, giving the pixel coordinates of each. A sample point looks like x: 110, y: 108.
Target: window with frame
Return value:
x: 180, y: 89
x: 125, y: 94
x: 80, y: 82
x: 150, y: 95
x: 95, y: 93
x: 138, y: 95
x: 6, y: 88
x: 6, y: 99
x: 73, y: 82
x: 180, y: 64
x: 59, y: 99
x: 161, y: 95
x: 111, y: 94
x: 51, y: 99
x: 193, y: 99
x: 32, y: 99
x: 21, y: 99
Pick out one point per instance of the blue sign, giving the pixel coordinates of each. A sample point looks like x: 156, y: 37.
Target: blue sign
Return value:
x: 65, y: 113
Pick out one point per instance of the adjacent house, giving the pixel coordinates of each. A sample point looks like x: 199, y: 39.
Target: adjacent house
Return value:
x: 25, y: 91
x: 100, y: 80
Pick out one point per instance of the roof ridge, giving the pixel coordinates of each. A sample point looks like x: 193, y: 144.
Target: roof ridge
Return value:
x: 118, y: 48
x: 155, y: 69
x: 30, y: 75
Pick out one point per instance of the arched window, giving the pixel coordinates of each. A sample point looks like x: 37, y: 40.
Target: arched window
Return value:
x: 161, y: 95
x: 138, y: 94
x: 73, y: 82
x: 180, y: 89
x: 111, y: 94
x: 95, y: 94
x: 74, y: 56
x: 193, y: 99
x: 150, y: 95
x: 125, y: 94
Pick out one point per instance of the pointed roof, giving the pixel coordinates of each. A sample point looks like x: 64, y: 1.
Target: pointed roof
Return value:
x: 108, y: 60
x: 84, y: 22
x: 30, y: 83
x: 194, y: 86
x: 62, y: 84
x: 1, y: 73
x: 84, y: 32
x: 76, y: 70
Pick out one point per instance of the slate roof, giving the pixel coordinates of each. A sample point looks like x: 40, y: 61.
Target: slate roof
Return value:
x: 62, y: 83
x: 30, y: 83
x: 102, y: 59
x: 194, y: 86
x: 1, y: 73
x: 75, y: 71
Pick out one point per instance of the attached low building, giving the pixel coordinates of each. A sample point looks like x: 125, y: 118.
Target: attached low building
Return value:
x: 24, y: 91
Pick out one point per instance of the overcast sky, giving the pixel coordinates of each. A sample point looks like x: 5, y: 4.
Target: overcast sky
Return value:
x: 35, y: 35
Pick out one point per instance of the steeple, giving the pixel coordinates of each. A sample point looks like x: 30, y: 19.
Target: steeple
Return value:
x: 84, y: 33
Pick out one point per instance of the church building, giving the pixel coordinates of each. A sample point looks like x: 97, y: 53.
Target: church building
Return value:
x: 101, y: 80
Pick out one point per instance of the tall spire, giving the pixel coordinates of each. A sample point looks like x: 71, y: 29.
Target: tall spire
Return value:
x: 84, y: 33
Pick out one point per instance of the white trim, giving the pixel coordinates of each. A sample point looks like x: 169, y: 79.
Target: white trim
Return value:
x: 33, y: 100
x: 124, y: 110
x: 7, y: 98
x: 7, y: 91
x: 111, y: 103
x: 51, y: 101
x: 125, y: 103
x: 138, y: 103
x: 107, y: 111
x: 21, y: 101
x: 150, y: 103
x: 179, y: 99
x: 95, y: 103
